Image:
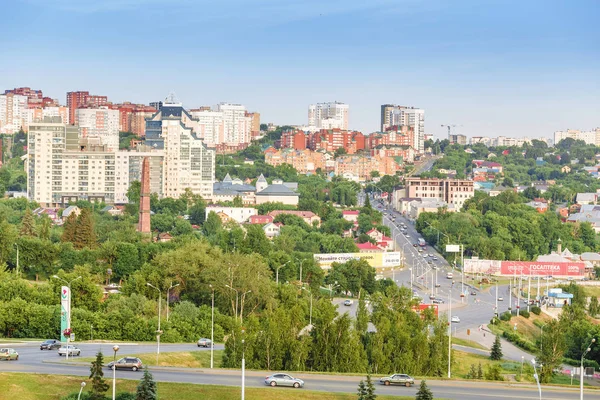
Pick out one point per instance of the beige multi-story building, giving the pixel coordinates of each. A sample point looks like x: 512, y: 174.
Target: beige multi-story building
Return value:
x: 304, y: 161
x: 236, y: 125
x: 13, y: 113
x: 39, y: 113
x: 412, y: 117
x: 359, y: 168
x: 589, y: 137
x: 211, y: 127
x: 102, y: 123
x: 333, y: 115
x: 63, y: 168
x: 452, y: 191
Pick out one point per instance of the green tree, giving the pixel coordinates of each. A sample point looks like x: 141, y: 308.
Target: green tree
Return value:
x: 496, y: 353
x: 370, y: 395
x: 594, y: 307
x: 69, y: 228
x: 553, y: 346
x: 472, y: 374
x: 362, y: 390
x: 45, y: 227
x: 367, y: 204
x: 85, y: 236
x: 237, y: 202
x: 28, y: 224
x: 424, y: 393
x: 146, y: 389
x: 212, y: 225
x: 479, y: 372
x: 493, y: 373
x: 99, y: 386
x: 8, y: 237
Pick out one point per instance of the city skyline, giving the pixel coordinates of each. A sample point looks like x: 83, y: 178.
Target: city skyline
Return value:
x: 493, y: 69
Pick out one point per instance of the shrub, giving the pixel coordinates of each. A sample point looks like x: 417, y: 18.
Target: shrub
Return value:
x: 125, y: 396
x: 505, y: 316
x: 536, y: 310
x: 524, y: 313
x: 517, y: 340
x: 493, y: 373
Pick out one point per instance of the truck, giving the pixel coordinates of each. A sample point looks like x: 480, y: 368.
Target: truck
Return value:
x: 421, y: 242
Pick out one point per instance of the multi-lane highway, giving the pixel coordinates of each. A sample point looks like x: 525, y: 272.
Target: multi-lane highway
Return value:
x: 33, y: 360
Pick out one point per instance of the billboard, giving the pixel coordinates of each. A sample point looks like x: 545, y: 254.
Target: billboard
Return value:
x: 542, y: 268
x: 533, y: 268
x: 452, y: 248
x: 422, y: 307
x: 377, y: 260
x: 65, y: 310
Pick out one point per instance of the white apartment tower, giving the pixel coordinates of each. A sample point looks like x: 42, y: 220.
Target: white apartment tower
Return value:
x: 13, y: 113
x: 392, y: 115
x: 211, y: 127
x: 328, y: 115
x: 101, y: 123
x: 62, y: 168
x: 237, y: 126
x: 589, y: 137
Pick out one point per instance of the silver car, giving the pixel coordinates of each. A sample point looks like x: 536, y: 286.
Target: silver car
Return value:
x: 280, y: 379
x: 73, y: 351
x: 397, y: 379
x: 204, y: 342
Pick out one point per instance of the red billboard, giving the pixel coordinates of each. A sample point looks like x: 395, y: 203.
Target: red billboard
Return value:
x: 542, y: 268
x: 422, y: 307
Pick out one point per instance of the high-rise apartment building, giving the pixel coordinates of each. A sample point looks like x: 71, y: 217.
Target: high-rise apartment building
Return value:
x: 76, y: 100
x: 13, y: 113
x: 188, y: 162
x: 39, y: 113
x: 211, y: 126
x: 333, y: 115
x: 457, y: 139
x: 393, y: 115
x: 62, y: 168
x: 236, y: 125
x: 589, y: 137
x: 99, y: 122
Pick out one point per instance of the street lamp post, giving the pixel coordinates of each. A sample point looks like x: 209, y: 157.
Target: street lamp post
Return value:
x: 158, y: 332
x: 243, y: 367
x: 80, y: 390
x: 17, y: 244
x: 277, y: 272
x: 411, y: 278
x: 522, y: 361
x: 537, y: 379
x: 589, y: 348
x: 449, y: 329
x: 542, y: 336
x: 114, y: 368
x: 310, y: 312
x: 301, y: 264
x: 212, y: 326
x: 170, y: 287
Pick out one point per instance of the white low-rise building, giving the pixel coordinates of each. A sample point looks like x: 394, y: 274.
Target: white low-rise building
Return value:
x: 240, y: 215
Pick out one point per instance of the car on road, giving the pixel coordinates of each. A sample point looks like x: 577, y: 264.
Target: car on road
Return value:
x: 438, y: 301
x: 50, y: 344
x: 500, y: 298
x: 415, y: 245
x: 397, y: 379
x: 473, y: 293
x: 204, y: 342
x: 8, y: 354
x: 132, y: 363
x: 73, y: 350
x: 280, y: 379
x: 455, y: 319
x: 435, y: 258
x: 408, y: 236
x: 348, y: 302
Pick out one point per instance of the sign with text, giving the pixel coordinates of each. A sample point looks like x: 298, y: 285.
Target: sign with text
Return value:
x: 452, y: 248
x: 529, y: 268
x: 65, y: 310
x: 376, y: 260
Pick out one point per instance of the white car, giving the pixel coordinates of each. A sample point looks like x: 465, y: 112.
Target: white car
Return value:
x: 348, y: 302
x: 73, y: 351
x: 455, y: 319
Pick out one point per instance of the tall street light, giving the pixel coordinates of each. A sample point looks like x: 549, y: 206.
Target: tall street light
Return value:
x: 589, y: 348
x: 277, y: 272
x: 311, y: 302
x: 537, y: 378
x: 212, y: 326
x: 158, y: 332
x: 114, y: 367
x: 542, y: 336
x: 17, y: 244
x: 301, y: 264
x: 243, y: 366
x: 449, y: 328
x: 80, y: 390
x: 170, y: 287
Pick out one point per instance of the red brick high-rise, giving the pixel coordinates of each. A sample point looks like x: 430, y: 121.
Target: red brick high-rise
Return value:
x: 76, y: 100
x: 144, y: 217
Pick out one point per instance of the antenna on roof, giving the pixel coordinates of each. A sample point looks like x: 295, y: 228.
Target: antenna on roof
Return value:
x: 172, y: 98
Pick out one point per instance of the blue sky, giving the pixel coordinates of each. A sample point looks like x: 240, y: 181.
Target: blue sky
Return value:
x: 513, y: 68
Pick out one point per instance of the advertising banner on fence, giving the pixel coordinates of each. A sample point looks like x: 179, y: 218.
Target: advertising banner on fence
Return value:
x: 377, y: 260
x: 542, y: 268
x: 533, y: 268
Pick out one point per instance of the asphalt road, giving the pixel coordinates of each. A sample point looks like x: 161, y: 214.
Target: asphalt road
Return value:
x: 327, y: 383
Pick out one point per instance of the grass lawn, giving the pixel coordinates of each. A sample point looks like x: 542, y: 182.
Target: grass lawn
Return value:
x: 187, y: 359
x: 592, y: 291
x: 48, y: 387
x: 462, y: 362
x: 468, y: 343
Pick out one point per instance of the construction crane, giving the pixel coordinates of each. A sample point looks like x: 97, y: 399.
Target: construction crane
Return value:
x: 449, y: 129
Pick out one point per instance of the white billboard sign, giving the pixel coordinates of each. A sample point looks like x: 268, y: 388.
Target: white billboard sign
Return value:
x: 452, y: 248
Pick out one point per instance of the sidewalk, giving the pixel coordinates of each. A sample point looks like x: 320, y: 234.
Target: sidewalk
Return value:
x: 486, y: 338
